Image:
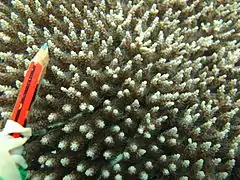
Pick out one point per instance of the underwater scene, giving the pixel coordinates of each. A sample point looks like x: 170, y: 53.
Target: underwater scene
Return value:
x: 120, y: 90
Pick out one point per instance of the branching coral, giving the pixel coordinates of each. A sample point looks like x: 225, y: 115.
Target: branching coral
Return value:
x: 135, y: 89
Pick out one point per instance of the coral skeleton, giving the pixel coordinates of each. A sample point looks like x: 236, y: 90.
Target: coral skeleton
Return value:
x: 137, y: 89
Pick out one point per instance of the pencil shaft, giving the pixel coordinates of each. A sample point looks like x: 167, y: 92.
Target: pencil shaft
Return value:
x: 30, y: 86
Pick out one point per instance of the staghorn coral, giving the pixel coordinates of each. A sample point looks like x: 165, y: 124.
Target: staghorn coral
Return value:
x: 134, y: 90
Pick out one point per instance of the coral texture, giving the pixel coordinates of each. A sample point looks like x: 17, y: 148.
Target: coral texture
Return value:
x: 134, y: 89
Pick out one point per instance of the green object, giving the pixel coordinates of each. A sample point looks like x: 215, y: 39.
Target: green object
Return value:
x: 44, y: 46
x: 23, y: 173
x: 116, y: 160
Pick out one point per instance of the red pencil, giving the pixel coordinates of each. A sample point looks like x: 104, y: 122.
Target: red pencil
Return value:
x: 35, y: 73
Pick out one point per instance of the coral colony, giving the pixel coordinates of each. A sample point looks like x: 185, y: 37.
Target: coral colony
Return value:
x: 133, y: 90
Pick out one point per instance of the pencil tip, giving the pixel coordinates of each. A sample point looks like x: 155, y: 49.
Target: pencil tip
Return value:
x: 44, y: 46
